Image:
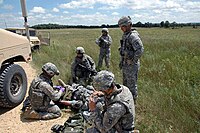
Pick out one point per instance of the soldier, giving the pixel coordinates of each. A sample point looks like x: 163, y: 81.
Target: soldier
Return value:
x: 131, y: 50
x: 41, y: 94
x: 104, y: 42
x: 82, y: 68
x: 118, y: 113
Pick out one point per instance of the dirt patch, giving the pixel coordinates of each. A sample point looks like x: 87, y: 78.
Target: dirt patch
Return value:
x: 11, y: 122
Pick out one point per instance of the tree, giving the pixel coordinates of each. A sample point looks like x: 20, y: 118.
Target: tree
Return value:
x: 174, y: 25
x: 138, y: 24
x: 167, y: 24
x: 162, y: 24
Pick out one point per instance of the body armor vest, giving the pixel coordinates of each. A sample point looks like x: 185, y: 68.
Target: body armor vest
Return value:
x: 39, y: 100
x: 103, y: 44
x: 124, y: 97
x: 79, y: 70
x: 127, y: 47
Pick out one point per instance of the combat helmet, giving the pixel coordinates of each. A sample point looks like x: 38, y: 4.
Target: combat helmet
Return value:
x: 103, y: 80
x: 125, y: 21
x: 80, y: 50
x: 50, y: 69
x: 104, y: 30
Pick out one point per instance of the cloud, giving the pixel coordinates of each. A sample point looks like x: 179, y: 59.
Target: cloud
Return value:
x: 112, y: 4
x: 115, y: 14
x: 11, y: 20
x: 55, y: 10
x: 8, y: 7
x: 38, y: 10
x: 157, y: 11
x: 108, y: 12
x: 78, y: 4
x: 172, y: 4
x: 93, y: 19
x: 66, y: 12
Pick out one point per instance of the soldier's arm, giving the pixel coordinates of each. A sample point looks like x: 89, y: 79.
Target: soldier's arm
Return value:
x: 109, y: 40
x: 49, y: 91
x: 110, y: 118
x: 92, y: 63
x: 137, y: 45
x: 98, y: 40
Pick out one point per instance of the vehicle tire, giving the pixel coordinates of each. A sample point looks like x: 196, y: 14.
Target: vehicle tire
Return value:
x: 13, y: 86
x: 35, y: 48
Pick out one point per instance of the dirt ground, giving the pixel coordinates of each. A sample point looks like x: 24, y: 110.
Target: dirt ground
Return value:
x: 11, y: 122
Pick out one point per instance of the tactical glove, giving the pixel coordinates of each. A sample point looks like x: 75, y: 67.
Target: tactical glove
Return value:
x: 59, y: 88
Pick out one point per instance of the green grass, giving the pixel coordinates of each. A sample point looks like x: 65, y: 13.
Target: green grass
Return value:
x: 169, y: 79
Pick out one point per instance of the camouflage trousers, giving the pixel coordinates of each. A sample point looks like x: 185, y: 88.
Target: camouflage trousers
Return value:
x: 130, y: 76
x: 104, y: 54
x: 53, y: 111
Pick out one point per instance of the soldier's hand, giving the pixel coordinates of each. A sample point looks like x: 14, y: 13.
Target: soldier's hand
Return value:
x: 57, y: 87
x: 97, y: 41
x: 97, y: 93
x: 92, y: 103
x: 60, y: 88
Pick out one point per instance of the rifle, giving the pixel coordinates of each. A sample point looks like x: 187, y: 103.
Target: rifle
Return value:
x: 93, y: 72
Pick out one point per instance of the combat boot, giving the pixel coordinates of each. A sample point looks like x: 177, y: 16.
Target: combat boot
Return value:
x: 31, y: 114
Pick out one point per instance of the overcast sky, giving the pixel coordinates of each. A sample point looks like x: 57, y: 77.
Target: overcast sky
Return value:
x: 98, y: 12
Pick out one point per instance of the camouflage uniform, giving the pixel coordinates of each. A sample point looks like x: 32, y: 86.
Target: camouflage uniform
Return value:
x: 41, y: 93
x: 131, y: 50
x: 81, y: 69
x: 104, y: 42
x: 119, y: 110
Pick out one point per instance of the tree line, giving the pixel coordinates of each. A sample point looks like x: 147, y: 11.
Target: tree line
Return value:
x: 163, y: 24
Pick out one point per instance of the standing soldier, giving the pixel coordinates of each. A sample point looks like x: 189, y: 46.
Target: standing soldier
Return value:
x: 82, y: 68
x: 131, y: 50
x: 118, y: 113
x: 104, y: 42
x: 41, y: 95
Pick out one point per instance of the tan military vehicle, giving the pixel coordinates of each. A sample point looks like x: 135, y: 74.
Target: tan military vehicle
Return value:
x: 13, y: 80
x: 34, y: 40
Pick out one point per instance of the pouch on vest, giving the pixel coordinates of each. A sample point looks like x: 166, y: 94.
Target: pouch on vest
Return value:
x: 38, y: 99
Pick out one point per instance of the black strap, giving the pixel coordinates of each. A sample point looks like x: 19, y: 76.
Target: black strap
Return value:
x: 128, y: 129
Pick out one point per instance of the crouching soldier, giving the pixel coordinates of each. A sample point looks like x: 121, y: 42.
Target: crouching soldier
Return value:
x: 118, y: 114
x: 41, y: 95
x: 82, y: 68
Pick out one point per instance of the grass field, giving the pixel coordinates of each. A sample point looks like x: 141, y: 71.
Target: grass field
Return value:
x: 169, y: 79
